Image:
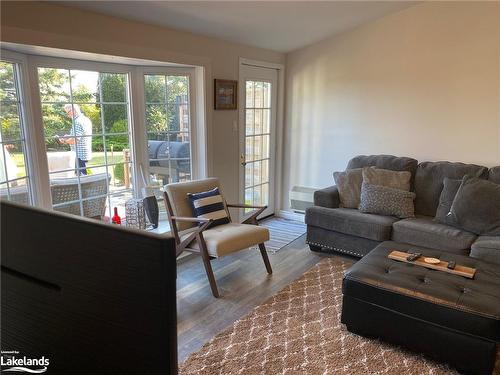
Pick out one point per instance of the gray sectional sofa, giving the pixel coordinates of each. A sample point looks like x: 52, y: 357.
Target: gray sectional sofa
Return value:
x: 349, y: 231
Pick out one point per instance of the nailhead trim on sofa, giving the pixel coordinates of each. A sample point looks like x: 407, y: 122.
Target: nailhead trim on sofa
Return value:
x: 334, y: 248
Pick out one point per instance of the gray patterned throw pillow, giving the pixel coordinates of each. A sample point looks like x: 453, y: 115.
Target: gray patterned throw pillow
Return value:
x: 382, y: 200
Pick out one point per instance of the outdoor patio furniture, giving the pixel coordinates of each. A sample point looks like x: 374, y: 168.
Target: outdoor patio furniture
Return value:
x: 61, y: 161
x: 66, y: 197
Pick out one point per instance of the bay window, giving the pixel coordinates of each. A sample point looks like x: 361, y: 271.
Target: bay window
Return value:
x: 106, y: 131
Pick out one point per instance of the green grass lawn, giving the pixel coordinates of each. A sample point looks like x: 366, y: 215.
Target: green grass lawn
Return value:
x: 98, y: 159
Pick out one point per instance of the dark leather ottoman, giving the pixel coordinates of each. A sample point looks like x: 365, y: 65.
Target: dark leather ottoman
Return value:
x: 447, y: 317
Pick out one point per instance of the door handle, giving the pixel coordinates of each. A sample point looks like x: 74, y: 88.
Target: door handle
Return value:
x: 242, y: 160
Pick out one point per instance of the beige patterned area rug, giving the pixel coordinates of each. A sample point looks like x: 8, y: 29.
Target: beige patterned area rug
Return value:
x: 298, y: 331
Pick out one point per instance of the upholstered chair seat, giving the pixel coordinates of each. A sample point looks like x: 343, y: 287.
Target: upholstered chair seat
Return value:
x: 229, y: 238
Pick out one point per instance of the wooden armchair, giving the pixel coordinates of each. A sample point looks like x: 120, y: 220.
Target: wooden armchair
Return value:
x: 192, y: 233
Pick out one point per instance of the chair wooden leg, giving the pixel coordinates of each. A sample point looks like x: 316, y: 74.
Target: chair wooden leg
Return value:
x: 263, y: 252
x: 208, y: 266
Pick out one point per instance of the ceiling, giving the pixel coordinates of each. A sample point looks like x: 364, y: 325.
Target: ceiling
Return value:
x: 278, y: 25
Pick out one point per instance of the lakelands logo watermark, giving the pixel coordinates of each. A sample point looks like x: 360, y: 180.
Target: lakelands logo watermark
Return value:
x: 12, y: 362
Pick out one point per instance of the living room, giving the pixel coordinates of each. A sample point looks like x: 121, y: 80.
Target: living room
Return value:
x: 302, y: 187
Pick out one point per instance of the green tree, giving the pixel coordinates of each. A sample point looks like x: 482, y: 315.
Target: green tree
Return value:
x: 113, y: 89
x: 9, y: 116
x: 164, y: 97
x: 55, y: 121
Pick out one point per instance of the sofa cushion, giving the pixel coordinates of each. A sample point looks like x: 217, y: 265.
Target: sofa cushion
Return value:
x: 350, y: 221
x: 429, y: 182
x: 393, y: 163
x: 450, y: 188
x: 349, y: 184
x: 383, y: 200
x: 486, y: 248
x: 494, y: 175
x: 476, y: 207
x: 424, y: 231
x: 385, y: 177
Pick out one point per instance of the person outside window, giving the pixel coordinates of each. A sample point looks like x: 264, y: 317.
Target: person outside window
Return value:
x: 80, y: 138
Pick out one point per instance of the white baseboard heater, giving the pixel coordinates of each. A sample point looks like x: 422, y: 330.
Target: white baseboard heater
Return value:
x: 301, y: 197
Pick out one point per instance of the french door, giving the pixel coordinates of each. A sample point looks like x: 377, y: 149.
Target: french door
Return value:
x: 86, y: 122
x: 258, y: 100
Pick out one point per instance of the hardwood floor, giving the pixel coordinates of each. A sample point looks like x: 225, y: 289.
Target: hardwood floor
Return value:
x: 243, y: 284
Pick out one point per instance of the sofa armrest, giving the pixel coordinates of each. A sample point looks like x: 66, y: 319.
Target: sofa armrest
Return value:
x: 486, y: 248
x: 328, y: 197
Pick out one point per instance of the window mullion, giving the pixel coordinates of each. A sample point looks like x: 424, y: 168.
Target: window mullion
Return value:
x: 34, y: 135
x: 139, y: 129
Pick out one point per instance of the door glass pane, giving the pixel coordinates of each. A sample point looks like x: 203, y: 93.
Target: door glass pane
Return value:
x: 249, y: 94
x: 249, y: 196
x: 249, y: 121
x: 265, y: 171
x: 14, y: 176
x: 168, y: 122
x: 248, y: 174
x: 257, y: 196
x: 257, y: 173
x: 258, y: 121
x: 87, y: 136
x: 258, y: 94
x: 257, y: 138
x: 266, y: 120
x: 257, y: 147
x: 265, y: 194
x: 249, y: 150
x: 265, y: 146
x: 267, y: 95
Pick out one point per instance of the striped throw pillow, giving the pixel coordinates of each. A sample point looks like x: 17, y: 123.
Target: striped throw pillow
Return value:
x: 209, y: 205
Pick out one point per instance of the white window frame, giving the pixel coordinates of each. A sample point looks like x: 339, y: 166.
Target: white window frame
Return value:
x: 37, y: 166
x: 193, y: 123
x: 26, y: 120
x: 36, y: 62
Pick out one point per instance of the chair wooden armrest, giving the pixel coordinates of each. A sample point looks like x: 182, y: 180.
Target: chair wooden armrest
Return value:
x: 195, y: 232
x: 191, y: 219
x: 252, y: 219
x: 185, y: 234
x: 242, y: 205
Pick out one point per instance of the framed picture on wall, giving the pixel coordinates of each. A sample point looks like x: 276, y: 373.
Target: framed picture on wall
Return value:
x: 225, y: 94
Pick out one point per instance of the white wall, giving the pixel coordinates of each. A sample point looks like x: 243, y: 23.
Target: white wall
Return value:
x: 423, y: 82
x: 50, y: 25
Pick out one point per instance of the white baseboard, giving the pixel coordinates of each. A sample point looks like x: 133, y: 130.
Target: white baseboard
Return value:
x: 290, y: 215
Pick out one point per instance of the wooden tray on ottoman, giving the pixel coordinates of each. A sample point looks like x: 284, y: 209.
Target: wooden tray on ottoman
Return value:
x: 441, y: 266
